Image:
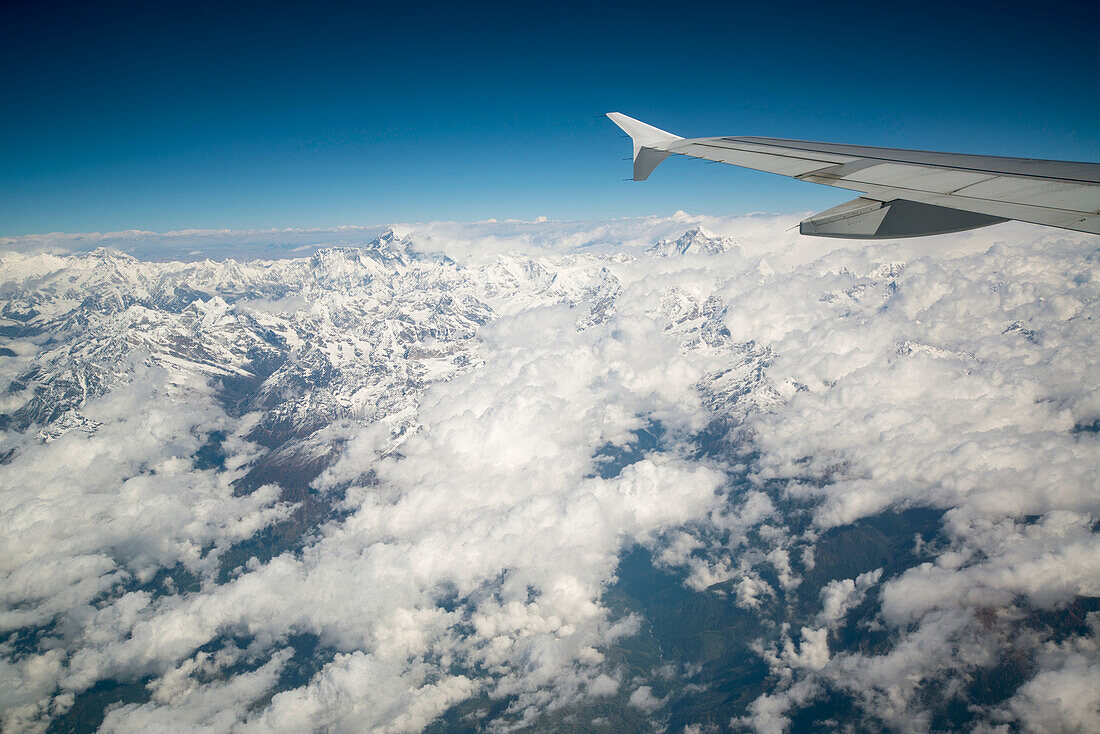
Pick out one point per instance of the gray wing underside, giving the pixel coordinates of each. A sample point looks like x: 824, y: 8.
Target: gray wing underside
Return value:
x: 906, y: 192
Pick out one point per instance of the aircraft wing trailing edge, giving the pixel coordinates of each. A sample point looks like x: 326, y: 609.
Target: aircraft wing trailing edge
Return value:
x: 906, y: 193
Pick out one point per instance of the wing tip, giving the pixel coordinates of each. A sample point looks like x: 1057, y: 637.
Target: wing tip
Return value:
x: 644, y: 134
x: 649, y: 143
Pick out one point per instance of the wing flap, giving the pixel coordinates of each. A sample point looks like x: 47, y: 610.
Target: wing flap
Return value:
x: 868, y: 219
x: 1038, y: 192
x: 938, y: 180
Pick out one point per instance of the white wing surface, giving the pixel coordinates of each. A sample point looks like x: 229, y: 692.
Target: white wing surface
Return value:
x: 907, y: 193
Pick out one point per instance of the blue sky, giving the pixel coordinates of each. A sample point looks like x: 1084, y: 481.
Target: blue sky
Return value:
x: 256, y: 115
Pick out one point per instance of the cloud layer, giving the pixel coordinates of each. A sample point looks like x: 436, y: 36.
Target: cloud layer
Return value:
x: 495, y: 430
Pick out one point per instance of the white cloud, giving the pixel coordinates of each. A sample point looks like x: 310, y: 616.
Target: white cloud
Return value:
x: 123, y: 501
x: 87, y: 513
x: 839, y: 596
x: 358, y: 692
x: 180, y: 702
x: 479, y: 537
x: 1065, y: 696
x: 643, y: 699
x: 497, y: 488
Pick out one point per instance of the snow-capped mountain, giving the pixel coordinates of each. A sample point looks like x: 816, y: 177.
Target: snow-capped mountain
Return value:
x: 346, y: 333
x: 696, y: 241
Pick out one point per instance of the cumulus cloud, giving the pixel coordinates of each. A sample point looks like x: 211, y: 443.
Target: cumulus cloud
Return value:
x: 497, y: 505
x: 1065, y: 695
x: 180, y: 702
x: 840, y: 595
x: 953, y: 382
x: 122, y: 502
x: 476, y: 525
x: 90, y: 513
x: 643, y: 699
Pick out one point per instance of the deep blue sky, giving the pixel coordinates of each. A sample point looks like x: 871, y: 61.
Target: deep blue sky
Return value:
x: 253, y: 115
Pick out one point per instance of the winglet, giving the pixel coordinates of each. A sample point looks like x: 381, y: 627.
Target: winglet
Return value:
x: 649, y: 143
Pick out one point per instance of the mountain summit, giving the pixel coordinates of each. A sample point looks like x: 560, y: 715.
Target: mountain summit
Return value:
x: 696, y: 241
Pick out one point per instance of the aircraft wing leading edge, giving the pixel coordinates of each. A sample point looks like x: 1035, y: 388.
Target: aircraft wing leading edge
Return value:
x: 906, y: 193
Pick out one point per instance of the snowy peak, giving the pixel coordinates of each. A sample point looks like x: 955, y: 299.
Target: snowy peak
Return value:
x: 387, y: 250
x: 349, y: 332
x: 389, y: 247
x: 695, y: 241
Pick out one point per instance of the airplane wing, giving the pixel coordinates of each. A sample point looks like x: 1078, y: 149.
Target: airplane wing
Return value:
x: 907, y: 193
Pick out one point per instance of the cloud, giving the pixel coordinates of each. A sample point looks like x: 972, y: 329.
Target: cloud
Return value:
x: 952, y: 382
x: 1065, y: 696
x: 500, y: 487
x: 643, y: 699
x: 358, y: 692
x: 181, y: 702
x: 104, y: 507
x: 480, y: 507
x: 840, y: 595
x: 92, y: 513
